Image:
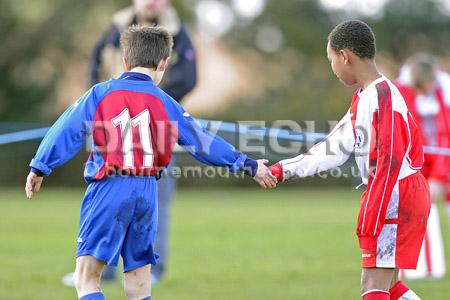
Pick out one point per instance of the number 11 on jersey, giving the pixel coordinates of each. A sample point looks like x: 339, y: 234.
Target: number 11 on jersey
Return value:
x: 142, y: 121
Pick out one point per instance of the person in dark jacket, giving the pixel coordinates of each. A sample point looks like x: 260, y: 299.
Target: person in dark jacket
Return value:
x: 179, y: 80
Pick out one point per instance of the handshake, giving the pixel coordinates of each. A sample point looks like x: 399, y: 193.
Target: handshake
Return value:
x: 268, y: 177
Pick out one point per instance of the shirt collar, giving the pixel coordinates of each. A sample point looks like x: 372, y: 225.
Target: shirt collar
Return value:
x: 135, y: 76
x: 375, y: 82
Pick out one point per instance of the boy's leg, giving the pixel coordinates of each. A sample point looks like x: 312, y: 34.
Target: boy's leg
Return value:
x: 166, y: 190
x: 410, y: 228
x: 400, y: 241
x: 138, y: 246
x: 375, y: 283
x: 431, y: 262
x: 432, y: 258
x: 137, y: 283
x: 106, y: 212
x: 399, y: 291
x: 87, y: 276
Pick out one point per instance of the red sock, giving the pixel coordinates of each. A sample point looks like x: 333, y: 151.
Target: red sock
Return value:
x: 398, y: 290
x: 376, y: 295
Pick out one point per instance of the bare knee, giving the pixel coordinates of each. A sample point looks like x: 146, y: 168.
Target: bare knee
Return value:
x: 87, y: 274
x: 376, y: 279
x: 137, y: 283
x: 85, y: 280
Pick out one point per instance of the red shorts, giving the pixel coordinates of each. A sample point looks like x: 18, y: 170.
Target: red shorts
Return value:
x: 400, y: 240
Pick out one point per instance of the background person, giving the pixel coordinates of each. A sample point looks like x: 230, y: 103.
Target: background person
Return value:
x: 179, y: 80
x: 427, y: 93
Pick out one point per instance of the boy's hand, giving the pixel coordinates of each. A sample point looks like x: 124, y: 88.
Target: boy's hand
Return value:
x: 33, y: 181
x: 277, y: 171
x: 263, y: 175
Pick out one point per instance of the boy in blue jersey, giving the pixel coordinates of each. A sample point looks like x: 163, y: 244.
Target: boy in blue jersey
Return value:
x: 134, y: 126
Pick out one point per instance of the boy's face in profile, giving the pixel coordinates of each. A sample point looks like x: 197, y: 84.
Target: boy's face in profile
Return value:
x: 340, y: 64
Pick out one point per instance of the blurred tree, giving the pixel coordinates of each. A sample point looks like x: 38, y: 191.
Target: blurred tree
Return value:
x: 38, y: 38
x: 408, y: 26
x: 303, y: 87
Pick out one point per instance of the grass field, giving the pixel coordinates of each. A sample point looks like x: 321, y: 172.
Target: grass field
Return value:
x: 225, y: 244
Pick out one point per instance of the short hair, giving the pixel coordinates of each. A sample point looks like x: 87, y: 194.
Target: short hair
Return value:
x: 146, y: 46
x: 423, y: 67
x: 355, y: 36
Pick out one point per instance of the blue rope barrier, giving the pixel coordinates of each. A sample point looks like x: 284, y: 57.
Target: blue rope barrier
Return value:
x: 24, y: 135
x: 225, y: 127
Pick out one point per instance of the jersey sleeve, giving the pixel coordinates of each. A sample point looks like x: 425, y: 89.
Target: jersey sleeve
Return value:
x: 391, y: 136
x: 333, y: 151
x: 204, y: 146
x: 66, y: 136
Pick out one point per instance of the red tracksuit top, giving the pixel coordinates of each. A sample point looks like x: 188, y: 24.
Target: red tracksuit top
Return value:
x: 386, y: 141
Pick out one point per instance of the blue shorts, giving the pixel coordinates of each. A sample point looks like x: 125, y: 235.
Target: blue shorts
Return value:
x: 119, y: 216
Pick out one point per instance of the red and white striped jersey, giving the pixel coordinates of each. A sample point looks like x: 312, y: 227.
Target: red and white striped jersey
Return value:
x: 381, y: 132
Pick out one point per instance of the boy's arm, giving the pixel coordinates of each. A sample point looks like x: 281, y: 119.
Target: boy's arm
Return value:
x: 391, y: 134
x: 213, y: 150
x: 64, y: 139
x: 331, y: 152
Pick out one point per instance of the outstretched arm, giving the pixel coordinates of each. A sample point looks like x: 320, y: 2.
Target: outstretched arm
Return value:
x: 333, y: 151
x: 213, y: 150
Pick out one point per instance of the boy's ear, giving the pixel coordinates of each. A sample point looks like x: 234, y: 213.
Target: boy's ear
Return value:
x: 344, y: 55
x: 126, y: 66
x: 163, y: 64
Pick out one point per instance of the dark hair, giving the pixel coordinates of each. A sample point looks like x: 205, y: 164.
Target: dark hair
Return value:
x: 145, y: 46
x: 355, y: 36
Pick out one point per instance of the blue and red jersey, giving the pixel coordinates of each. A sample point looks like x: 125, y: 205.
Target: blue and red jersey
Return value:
x: 133, y: 126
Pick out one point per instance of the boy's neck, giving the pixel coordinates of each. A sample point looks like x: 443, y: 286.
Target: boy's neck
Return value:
x: 146, y: 71
x: 367, y: 73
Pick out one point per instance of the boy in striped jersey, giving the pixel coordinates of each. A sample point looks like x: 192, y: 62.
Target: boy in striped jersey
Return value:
x: 387, y: 145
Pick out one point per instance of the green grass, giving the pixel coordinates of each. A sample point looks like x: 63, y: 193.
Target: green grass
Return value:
x: 225, y: 244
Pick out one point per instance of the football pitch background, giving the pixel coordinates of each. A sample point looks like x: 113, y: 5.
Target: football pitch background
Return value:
x: 235, y: 243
